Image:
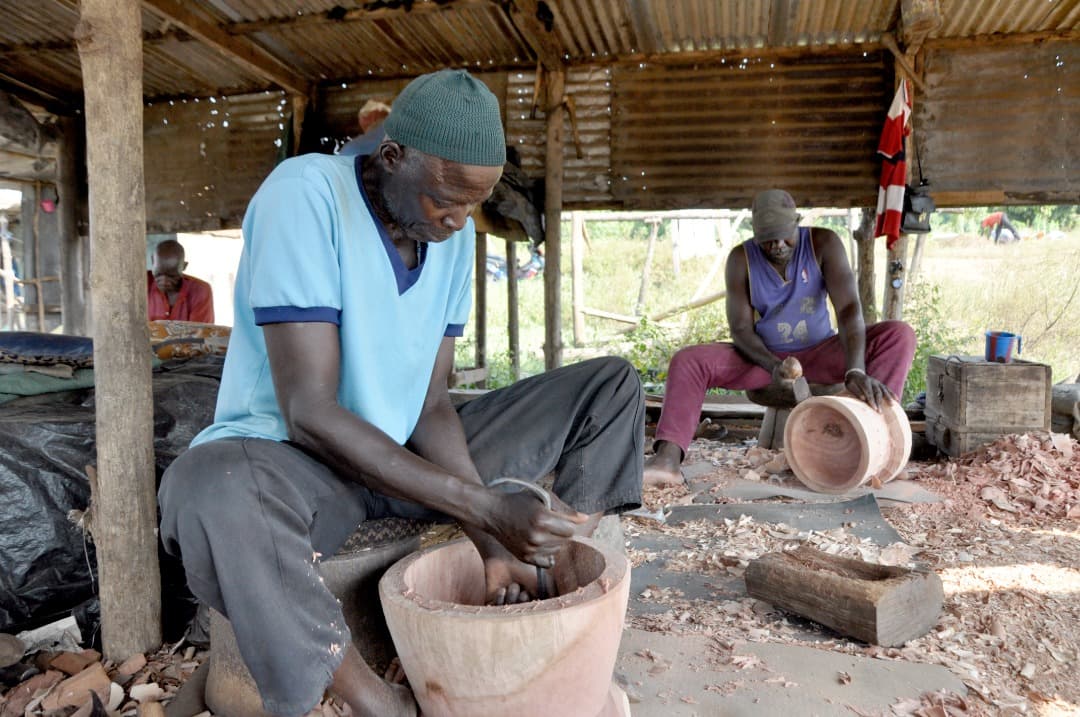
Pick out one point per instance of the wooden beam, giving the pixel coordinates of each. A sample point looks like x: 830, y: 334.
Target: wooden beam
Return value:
x: 553, y: 197
x: 525, y: 16
x: 682, y: 308
x: 123, y: 495
x: 901, y: 61
x: 880, y: 604
x: 337, y: 16
x: 1001, y: 40
x: 240, y: 50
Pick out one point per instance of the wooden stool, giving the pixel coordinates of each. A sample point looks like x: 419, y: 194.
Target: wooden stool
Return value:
x: 352, y: 575
x: 778, y: 400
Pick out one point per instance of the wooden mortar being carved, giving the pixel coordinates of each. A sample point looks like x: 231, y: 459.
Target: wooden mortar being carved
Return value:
x: 837, y: 443
x: 536, y: 659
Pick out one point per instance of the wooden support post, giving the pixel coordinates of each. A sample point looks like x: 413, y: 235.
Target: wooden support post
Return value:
x: 299, y: 109
x: 69, y: 189
x: 879, y: 604
x: 481, y: 301
x: 553, y: 172
x: 646, y: 268
x: 865, y: 241
x: 512, y: 335
x: 123, y: 500
x: 916, y: 256
x: 895, y: 280
x: 577, y: 252
x: 7, y: 270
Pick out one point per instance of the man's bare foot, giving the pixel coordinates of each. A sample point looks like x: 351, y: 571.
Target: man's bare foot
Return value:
x: 368, y: 695
x: 662, y: 469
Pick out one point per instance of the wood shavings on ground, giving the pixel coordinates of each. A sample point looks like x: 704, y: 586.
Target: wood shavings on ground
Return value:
x: 1010, y: 627
x: 61, y: 683
x: 1032, y: 475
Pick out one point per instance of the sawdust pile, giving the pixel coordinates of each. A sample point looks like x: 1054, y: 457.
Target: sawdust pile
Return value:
x: 1031, y: 474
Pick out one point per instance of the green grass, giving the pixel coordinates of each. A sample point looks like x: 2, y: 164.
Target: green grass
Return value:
x: 966, y: 285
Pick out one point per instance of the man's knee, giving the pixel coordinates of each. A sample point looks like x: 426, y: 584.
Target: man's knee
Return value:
x: 621, y: 376
x: 209, y: 483
x: 897, y: 337
x: 683, y: 359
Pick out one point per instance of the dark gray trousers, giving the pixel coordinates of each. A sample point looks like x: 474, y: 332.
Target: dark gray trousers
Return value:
x: 250, y: 517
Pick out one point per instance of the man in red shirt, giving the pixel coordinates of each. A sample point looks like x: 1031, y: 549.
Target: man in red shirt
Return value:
x: 172, y: 294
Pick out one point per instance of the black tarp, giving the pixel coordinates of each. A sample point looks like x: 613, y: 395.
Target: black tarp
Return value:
x: 46, y: 567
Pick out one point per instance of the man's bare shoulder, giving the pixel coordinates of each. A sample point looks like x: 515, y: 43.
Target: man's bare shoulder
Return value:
x: 823, y: 237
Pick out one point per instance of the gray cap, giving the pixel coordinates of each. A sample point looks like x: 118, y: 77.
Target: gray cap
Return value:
x: 774, y: 215
x: 449, y: 114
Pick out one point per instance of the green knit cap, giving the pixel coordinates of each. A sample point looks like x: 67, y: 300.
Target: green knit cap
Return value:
x: 449, y: 114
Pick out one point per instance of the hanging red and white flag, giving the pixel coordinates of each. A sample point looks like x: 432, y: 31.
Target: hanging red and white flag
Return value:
x: 890, y: 206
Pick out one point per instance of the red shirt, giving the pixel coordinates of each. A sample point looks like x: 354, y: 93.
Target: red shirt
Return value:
x: 194, y: 303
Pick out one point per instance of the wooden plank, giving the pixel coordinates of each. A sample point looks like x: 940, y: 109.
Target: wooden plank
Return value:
x: 713, y: 407
x: 123, y: 517
x: 879, y: 604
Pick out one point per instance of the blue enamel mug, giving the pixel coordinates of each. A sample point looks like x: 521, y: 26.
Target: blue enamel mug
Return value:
x: 1000, y: 346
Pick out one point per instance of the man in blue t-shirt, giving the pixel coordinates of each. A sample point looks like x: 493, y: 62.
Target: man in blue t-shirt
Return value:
x: 333, y: 409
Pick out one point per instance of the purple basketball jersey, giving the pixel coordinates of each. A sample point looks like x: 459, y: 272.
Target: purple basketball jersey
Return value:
x: 792, y: 310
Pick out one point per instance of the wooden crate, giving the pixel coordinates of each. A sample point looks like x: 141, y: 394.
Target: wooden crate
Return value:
x: 970, y: 401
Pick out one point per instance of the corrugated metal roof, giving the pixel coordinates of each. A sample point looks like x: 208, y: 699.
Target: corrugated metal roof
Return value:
x: 678, y: 89
x: 328, y: 41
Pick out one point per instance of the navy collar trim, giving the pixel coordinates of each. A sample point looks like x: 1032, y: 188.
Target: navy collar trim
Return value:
x: 405, y: 276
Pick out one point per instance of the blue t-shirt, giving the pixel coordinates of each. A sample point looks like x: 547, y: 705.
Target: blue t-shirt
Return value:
x: 314, y: 252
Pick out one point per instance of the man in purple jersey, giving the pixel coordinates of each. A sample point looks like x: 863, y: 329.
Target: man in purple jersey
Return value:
x: 777, y: 284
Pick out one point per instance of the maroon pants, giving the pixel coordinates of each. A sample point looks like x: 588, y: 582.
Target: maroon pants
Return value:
x: 890, y: 348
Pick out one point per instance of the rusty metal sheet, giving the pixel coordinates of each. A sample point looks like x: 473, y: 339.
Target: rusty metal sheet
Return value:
x: 686, y: 136
x: 205, y: 159
x: 1002, y: 120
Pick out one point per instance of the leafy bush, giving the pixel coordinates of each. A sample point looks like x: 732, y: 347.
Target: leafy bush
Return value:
x: 933, y: 335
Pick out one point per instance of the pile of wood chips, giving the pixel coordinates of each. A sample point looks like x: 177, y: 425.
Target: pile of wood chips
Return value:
x: 1009, y: 560
x: 81, y: 684
x: 1032, y: 475
x: 68, y: 682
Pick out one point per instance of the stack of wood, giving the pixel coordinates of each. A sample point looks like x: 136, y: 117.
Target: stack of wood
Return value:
x: 81, y: 684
